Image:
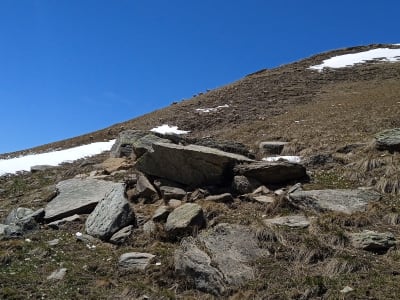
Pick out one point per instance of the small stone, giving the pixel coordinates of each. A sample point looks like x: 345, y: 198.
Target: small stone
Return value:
x: 57, y: 275
x: 272, y: 147
x: 53, y: 242
x: 161, y: 214
x: 223, y: 198
x: 39, y: 168
x: 295, y: 221
x: 58, y: 223
x: 373, y: 241
x: 134, y: 260
x: 173, y: 203
x: 185, y: 219
x: 149, y: 227
x: 346, y: 290
x: 121, y: 236
x: 241, y: 185
x: 264, y: 199
x: 169, y: 192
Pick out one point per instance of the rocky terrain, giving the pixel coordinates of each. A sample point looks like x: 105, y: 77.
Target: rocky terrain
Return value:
x: 203, y: 216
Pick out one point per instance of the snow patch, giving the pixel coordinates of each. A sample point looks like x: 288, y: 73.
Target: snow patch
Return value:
x: 292, y: 159
x: 211, y: 109
x: 24, y: 163
x: 348, y: 60
x: 166, y: 129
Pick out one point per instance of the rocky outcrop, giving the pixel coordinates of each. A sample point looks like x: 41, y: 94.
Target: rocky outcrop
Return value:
x: 77, y: 196
x: 272, y: 172
x: 346, y: 201
x: 219, y: 258
x: 373, y: 241
x: 190, y: 165
x: 388, y: 140
x: 110, y: 215
x: 184, y: 220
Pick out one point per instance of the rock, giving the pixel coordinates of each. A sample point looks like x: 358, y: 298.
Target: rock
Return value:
x: 57, y: 274
x: 121, y: 235
x: 263, y: 199
x: 222, y: 198
x: 346, y: 290
x: 241, y: 185
x: 77, y: 196
x: 373, y: 241
x: 173, y: 203
x: 294, y: 221
x: 39, y: 168
x: 346, y: 201
x: 161, y: 214
x: 272, y: 147
x: 169, y: 192
x: 85, y: 238
x: 54, y: 242
x: 261, y: 190
x: 112, y: 164
x: 226, y: 259
x: 48, y: 193
x: 226, y: 146
x: 134, y: 261
x: 191, y: 165
x: 319, y: 160
x: 194, y: 264
x: 293, y: 188
x: 56, y: 224
x: 10, y: 231
x: 144, y: 190
x: 272, y: 172
x: 149, y: 227
x: 388, y: 140
x: 22, y: 217
x: 198, y: 194
x: 110, y: 215
x: 185, y: 219
x: 135, y: 142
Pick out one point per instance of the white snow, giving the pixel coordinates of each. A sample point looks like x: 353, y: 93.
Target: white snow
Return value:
x: 211, y: 109
x: 293, y: 159
x: 166, y: 129
x: 24, y: 163
x: 348, y: 60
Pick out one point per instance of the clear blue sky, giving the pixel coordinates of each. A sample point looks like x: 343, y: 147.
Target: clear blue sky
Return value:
x: 68, y: 67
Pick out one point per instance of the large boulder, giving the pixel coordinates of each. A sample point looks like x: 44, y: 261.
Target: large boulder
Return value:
x: 346, y: 201
x: 77, y: 196
x: 272, y: 172
x: 388, y: 140
x: 219, y: 258
x: 373, y: 241
x: 110, y: 215
x: 191, y: 165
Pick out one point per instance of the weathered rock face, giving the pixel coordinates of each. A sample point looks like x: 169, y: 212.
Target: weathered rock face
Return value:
x: 388, y: 140
x: 191, y: 165
x: 272, y: 172
x: 347, y: 201
x: 373, y: 241
x: 226, y: 262
x: 110, y: 215
x: 272, y: 147
x: 294, y: 221
x: 184, y: 219
x: 134, y: 260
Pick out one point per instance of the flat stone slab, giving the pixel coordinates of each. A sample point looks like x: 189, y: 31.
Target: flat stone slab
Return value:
x: 346, y: 201
x: 294, y: 221
x: 77, y: 196
x: 388, y: 140
x: 134, y: 261
x: 184, y: 219
x: 373, y: 241
x: 190, y: 165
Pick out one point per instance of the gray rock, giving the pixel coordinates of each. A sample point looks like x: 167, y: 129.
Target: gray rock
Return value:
x: 173, y: 203
x: 57, y: 224
x: 149, y: 227
x: 241, y: 185
x: 57, y: 274
x: 54, y: 242
x: 226, y: 146
x: 195, y: 264
x: 373, y: 241
x: 191, y: 165
x: 161, y: 214
x: 77, y: 196
x: 22, y: 217
x: 388, y: 140
x: 121, y: 235
x: 222, y: 198
x: 39, y: 168
x: 11, y: 231
x: 145, y: 190
x: 294, y: 221
x: 134, y: 261
x: 110, y: 215
x: 185, y: 219
x: 85, y: 238
x: 226, y: 259
x: 272, y: 172
x: 347, y: 201
x: 265, y: 199
x: 272, y: 147
x: 169, y: 192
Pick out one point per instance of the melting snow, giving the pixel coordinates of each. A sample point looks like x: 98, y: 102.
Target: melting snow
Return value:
x: 24, y: 163
x: 293, y: 159
x: 347, y: 60
x: 211, y: 109
x: 166, y: 129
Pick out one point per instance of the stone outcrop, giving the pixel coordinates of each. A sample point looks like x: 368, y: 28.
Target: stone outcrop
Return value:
x: 77, y: 196
x: 110, y: 215
x: 346, y: 201
x: 190, y: 165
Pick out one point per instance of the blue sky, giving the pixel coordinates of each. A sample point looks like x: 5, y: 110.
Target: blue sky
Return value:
x: 69, y: 67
